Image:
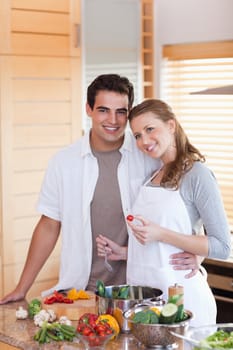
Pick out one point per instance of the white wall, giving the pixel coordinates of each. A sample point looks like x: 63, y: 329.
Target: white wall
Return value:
x: 187, y: 21
x: 112, y: 28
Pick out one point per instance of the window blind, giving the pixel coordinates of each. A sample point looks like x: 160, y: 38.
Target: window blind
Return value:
x: 207, y: 119
x: 129, y: 70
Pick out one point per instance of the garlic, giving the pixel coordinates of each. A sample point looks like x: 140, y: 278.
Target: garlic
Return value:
x: 65, y: 320
x: 52, y: 315
x: 21, y: 313
x: 44, y: 316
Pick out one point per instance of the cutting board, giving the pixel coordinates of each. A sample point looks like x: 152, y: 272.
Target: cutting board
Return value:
x: 76, y: 309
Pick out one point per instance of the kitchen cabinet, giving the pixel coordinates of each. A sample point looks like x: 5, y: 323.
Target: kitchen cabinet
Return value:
x: 40, y: 99
x: 220, y: 279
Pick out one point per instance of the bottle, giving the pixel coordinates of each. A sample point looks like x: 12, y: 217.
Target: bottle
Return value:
x: 176, y: 296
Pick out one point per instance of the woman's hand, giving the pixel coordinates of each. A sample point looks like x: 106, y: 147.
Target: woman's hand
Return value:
x: 112, y: 249
x: 144, y: 230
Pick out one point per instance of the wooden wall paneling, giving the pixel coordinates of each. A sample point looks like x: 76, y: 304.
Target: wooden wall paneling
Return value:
x: 23, y: 227
x: 40, y: 87
x: 48, y: 274
x: 39, y: 136
x: 42, y: 113
x: 46, y: 5
x: 76, y: 94
x: 5, y: 32
x: 39, y: 44
x: 6, y: 157
x: 40, y: 22
x: 24, y: 205
x: 41, y: 90
x: 26, y: 182
x: 32, y: 159
x: 75, y: 28
x: 41, y: 67
x: 20, y: 247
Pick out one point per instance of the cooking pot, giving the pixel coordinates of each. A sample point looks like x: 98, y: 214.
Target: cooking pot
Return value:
x: 116, y: 307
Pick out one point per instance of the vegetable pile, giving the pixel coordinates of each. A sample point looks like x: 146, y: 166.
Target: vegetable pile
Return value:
x: 218, y: 340
x: 54, y: 331
x: 170, y: 313
x: 49, y: 330
x: 57, y: 297
x: 95, y: 329
x: 34, y: 307
x: 75, y: 294
x: 116, y: 293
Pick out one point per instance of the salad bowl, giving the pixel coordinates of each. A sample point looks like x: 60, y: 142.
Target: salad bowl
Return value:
x: 218, y: 336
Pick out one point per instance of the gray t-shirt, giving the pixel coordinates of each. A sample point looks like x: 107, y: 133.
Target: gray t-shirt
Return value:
x: 107, y: 218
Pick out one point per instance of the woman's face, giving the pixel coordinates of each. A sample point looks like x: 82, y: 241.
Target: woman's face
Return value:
x: 155, y: 137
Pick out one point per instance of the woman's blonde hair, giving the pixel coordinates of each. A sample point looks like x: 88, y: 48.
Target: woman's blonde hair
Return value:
x: 186, y: 153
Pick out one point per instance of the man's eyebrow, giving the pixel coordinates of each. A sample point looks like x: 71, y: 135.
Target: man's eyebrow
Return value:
x: 102, y: 107
x: 123, y: 109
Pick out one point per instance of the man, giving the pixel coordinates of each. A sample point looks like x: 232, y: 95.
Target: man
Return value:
x: 88, y: 189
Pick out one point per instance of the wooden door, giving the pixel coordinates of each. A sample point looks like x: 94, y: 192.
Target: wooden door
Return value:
x: 40, y: 98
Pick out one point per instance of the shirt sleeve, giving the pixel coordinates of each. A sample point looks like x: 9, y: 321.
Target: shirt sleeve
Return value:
x: 48, y: 201
x: 205, y: 195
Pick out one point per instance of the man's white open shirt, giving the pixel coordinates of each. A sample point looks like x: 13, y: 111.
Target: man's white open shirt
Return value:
x: 66, y: 195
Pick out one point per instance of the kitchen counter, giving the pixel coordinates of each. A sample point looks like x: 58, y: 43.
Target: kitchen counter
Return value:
x: 18, y: 334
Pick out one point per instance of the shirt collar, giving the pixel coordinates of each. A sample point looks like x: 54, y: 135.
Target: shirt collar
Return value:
x: 127, y: 145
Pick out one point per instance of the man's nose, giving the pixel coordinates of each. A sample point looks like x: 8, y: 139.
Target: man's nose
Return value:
x: 112, y: 117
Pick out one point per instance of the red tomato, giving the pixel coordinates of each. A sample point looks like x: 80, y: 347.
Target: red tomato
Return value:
x: 130, y: 217
x: 100, y: 328
x: 87, y: 331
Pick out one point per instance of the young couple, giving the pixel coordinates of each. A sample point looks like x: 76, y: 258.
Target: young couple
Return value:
x: 91, y: 186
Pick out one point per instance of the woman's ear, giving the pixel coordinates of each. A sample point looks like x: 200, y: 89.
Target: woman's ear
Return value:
x: 172, y: 125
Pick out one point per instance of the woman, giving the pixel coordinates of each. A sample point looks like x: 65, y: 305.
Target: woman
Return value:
x: 170, y: 210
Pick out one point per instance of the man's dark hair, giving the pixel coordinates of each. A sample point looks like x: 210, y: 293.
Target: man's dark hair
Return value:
x: 110, y: 82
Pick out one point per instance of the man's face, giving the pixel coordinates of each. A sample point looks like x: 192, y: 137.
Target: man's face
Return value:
x: 109, y: 119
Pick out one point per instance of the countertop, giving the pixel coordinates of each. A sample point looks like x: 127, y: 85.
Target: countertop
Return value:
x: 18, y: 334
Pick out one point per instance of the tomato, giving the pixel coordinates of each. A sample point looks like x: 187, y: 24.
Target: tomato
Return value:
x: 86, y: 331
x: 94, y: 327
x: 130, y: 217
x: 100, y: 328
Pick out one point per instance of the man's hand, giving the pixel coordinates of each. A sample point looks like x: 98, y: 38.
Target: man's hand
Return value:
x: 185, y: 261
x: 113, y: 250
x: 15, y: 295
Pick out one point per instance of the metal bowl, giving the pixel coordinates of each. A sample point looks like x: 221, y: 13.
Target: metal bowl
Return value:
x: 156, y: 335
x: 116, y: 307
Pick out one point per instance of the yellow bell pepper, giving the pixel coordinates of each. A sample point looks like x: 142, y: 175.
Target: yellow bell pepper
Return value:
x: 111, y: 321
x: 75, y: 295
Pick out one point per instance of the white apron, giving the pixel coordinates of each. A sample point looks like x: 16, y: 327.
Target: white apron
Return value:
x: 149, y: 264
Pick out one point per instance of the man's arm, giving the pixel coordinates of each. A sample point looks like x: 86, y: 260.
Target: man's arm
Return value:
x: 42, y: 244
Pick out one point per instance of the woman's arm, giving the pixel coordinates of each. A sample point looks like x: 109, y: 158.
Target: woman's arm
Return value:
x: 207, y: 201
x: 204, y: 195
x: 149, y: 232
